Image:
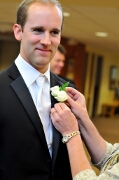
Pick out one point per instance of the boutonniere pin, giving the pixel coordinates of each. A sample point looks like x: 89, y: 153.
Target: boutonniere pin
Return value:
x: 59, y: 93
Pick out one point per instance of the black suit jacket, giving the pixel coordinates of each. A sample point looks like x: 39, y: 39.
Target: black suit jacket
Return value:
x: 24, y: 154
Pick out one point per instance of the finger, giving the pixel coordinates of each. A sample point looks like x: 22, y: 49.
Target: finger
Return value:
x: 53, y: 114
x: 53, y: 110
x: 70, y: 102
x: 71, y: 90
x: 59, y: 106
x: 64, y: 106
x: 73, y: 93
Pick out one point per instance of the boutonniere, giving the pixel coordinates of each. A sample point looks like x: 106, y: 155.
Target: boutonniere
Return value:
x: 59, y: 93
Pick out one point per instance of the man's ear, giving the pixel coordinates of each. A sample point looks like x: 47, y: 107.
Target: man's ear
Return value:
x: 17, y: 32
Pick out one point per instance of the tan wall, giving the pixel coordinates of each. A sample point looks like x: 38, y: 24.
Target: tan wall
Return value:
x: 9, y: 50
x: 105, y: 94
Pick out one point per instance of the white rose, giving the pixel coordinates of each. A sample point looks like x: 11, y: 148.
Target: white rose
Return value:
x: 61, y: 96
x: 55, y: 90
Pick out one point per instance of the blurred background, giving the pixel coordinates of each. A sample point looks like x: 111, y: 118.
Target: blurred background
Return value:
x: 91, y: 38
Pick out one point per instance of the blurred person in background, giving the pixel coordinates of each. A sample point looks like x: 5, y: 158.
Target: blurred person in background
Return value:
x: 58, y: 62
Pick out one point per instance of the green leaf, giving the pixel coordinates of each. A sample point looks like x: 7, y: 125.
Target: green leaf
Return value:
x: 63, y: 87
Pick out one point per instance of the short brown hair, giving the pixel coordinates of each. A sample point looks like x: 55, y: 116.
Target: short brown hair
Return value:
x: 23, y: 8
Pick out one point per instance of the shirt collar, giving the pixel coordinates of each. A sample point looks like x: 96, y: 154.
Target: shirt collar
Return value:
x: 28, y: 72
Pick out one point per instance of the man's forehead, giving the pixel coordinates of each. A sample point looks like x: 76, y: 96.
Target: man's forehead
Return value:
x: 44, y: 11
x: 39, y: 5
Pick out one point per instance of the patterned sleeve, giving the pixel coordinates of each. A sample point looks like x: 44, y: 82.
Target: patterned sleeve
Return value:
x: 109, y: 166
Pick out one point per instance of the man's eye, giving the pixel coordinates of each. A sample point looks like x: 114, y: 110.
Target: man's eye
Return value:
x: 55, y: 32
x: 38, y: 30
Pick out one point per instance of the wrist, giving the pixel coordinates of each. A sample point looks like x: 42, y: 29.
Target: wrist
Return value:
x: 67, y: 137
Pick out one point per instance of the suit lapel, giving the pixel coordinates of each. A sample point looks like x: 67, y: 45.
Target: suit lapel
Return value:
x: 56, y: 135
x: 25, y: 98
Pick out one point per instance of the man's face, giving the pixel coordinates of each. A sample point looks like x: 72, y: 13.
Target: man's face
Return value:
x: 40, y: 36
x: 57, y: 63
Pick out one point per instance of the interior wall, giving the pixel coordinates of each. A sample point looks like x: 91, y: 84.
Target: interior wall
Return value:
x: 9, y: 50
x: 106, y: 95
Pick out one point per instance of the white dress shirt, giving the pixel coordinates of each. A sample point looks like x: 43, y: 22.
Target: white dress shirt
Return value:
x: 30, y: 74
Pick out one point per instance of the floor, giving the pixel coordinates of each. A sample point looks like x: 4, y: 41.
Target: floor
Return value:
x: 108, y: 127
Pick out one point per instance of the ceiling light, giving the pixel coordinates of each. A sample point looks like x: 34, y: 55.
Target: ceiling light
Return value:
x: 66, y: 14
x: 101, y: 34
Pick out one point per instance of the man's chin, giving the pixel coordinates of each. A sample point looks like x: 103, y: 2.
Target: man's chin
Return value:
x: 58, y: 74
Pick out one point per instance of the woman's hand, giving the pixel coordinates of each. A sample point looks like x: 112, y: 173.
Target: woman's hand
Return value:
x: 63, y: 119
x: 77, y: 103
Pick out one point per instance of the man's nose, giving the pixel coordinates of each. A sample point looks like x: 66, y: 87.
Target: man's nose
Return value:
x: 46, y: 39
x: 61, y: 64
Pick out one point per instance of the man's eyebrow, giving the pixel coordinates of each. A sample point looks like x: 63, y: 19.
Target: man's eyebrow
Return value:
x: 56, y: 29
x: 41, y: 27
x: 35, y: 27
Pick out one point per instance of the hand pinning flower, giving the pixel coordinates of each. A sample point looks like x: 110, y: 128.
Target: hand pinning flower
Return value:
x: 59, y: 93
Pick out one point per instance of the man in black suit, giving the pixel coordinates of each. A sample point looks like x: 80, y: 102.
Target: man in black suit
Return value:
x: 31, y: 147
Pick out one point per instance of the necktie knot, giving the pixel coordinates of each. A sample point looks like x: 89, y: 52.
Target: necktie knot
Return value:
x: 40, y: 81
